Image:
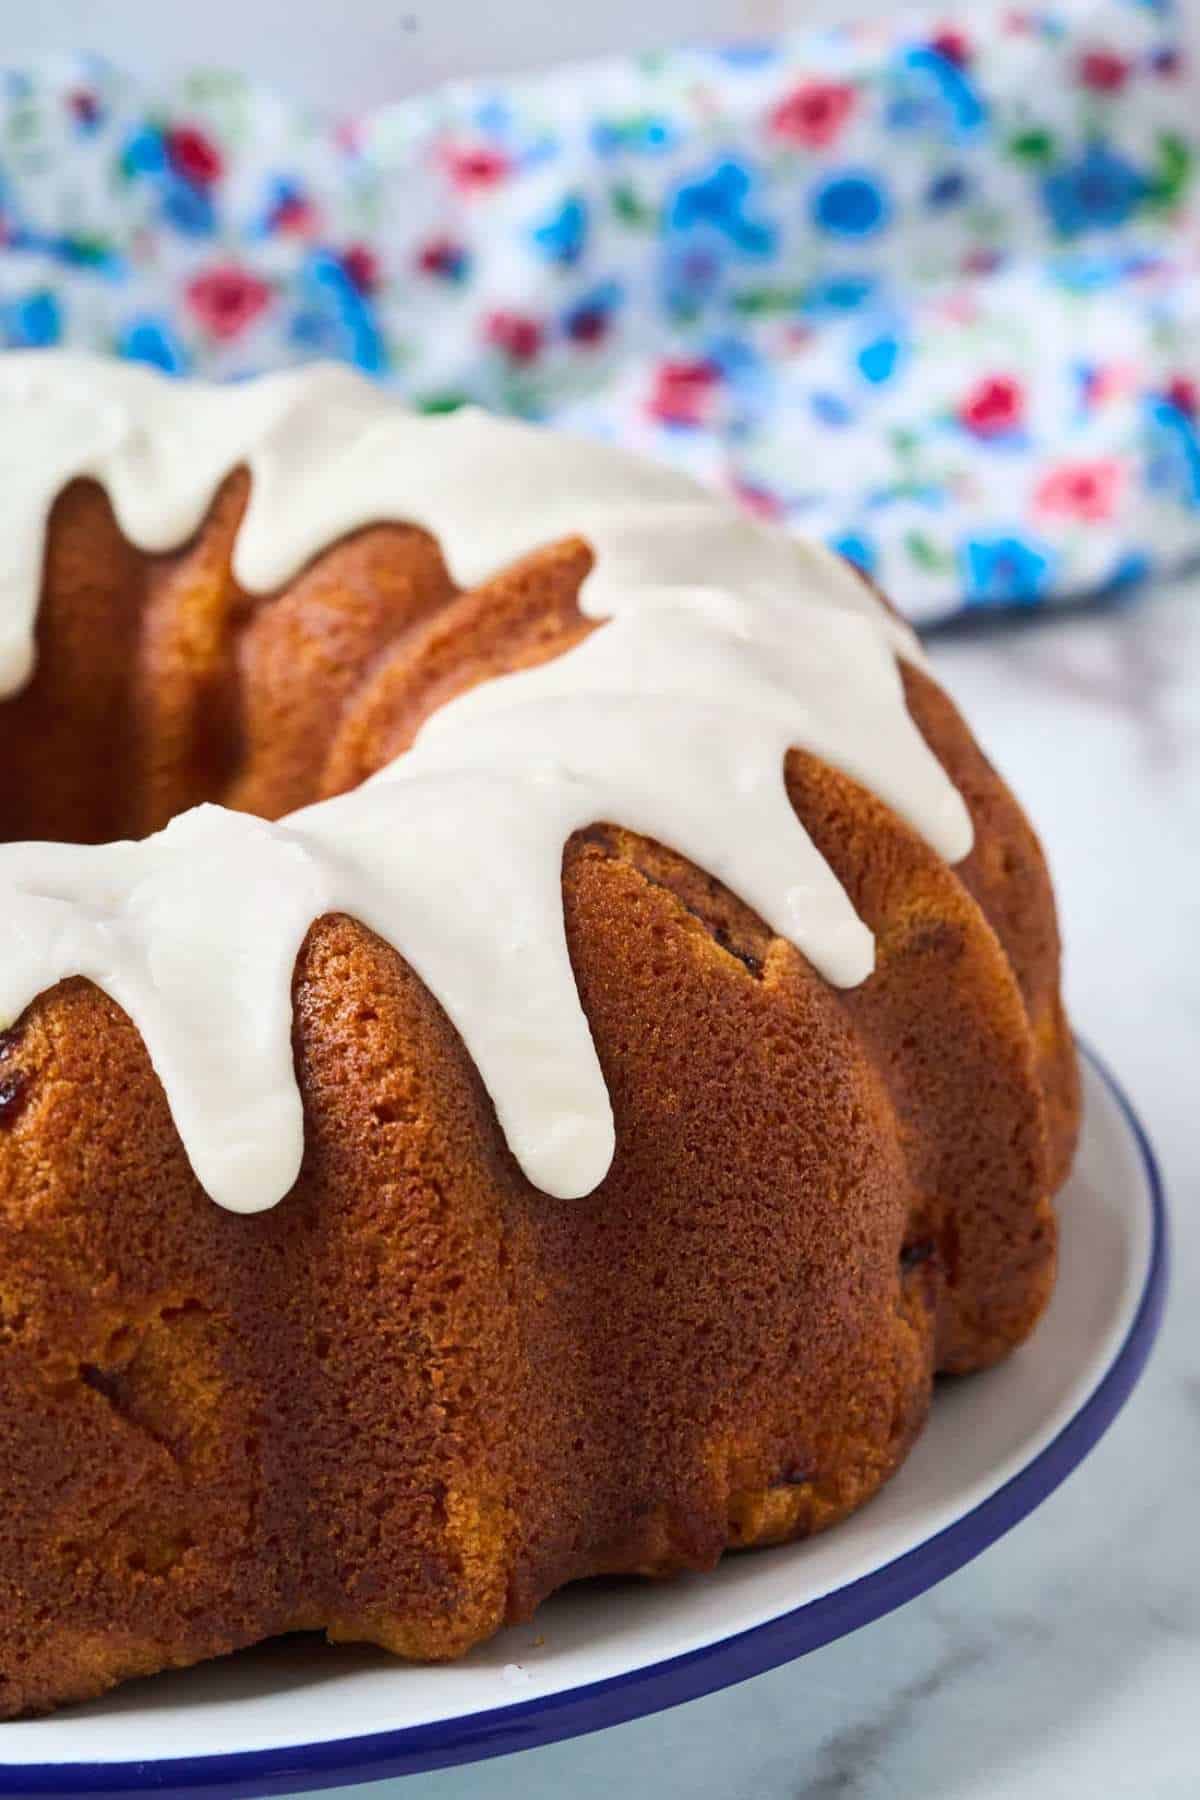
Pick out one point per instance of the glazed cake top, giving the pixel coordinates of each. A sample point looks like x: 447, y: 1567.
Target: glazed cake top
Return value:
x: 725, y: 643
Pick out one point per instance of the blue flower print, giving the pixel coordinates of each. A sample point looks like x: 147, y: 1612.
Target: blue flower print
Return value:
x: 740, y: 363
x: 908, y: 112
x: 645, y: 133
x: 563, y: 236
x: 144, y: 152
x: 851, y: 206
x: 33, y: 322
x: 1097, y: 193
x: 1081, y: 273
x: 718, y: 199
x: 187, y: 207
x: 1131, y: 569
x: 152, y: 340
x: 1076, y: 273
x: 949, y: 188
x: 1173, y: 452
x: 880, y: 358
x: 839, y: 294
x: 73, y: 252
x: 748, y: 55
x: 691, y: 276
x: 943, y: 94
x: 494, y: 115
x: 856, y: 548
x: 335, y: 319
x: 1005, y: 571
x: 830, y: 409
x: 539, y: 151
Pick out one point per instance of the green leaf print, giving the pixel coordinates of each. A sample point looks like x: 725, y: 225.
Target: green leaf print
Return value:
x: 1032, y: 146
x: 447, y: 402
x: 629, y: 208
x: 924, y: 552
x: 1171, y: 176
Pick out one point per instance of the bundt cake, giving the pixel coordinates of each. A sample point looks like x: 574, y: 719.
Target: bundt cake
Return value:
x: 559, y: 922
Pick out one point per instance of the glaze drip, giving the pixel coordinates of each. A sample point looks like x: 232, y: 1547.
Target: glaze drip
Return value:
x: 726, y: 643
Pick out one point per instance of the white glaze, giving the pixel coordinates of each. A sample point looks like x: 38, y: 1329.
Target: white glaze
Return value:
x: 728, y: 642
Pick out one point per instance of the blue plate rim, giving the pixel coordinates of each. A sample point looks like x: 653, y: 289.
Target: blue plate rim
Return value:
x: 526, y: 1725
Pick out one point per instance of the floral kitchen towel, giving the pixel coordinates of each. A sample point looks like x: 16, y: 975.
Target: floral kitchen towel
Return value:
x: 927, y: 287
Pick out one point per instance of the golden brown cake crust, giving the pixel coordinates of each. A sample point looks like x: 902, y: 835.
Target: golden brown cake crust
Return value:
x: 417, y: 1396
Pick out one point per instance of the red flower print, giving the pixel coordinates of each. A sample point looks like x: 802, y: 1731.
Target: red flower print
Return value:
x: 985, y: 259
x: 756, y: 499
x: 1103, y: 70
x: 587, y: 325
x: 362, y: 266
x: 1081, y: 490
x: 475, y: 168
x: 960, y: 308
x: 194, y: 155
x: 813, y: 114
x: 226, y: 299
x: 443, y: 256
x: 295, y: 216
x: 683, y: 391
x: 953, y: 45
x: 519, y: 336
x: 1110, y: 381
x: 993, y: 407
x: 1182, y: 393
x: 84, y: 106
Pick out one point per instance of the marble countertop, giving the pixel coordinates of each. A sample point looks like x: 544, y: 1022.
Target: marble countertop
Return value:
x: 1066, y: 1660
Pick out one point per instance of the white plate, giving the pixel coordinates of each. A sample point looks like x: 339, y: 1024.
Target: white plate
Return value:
x: 298, y: 1715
